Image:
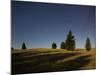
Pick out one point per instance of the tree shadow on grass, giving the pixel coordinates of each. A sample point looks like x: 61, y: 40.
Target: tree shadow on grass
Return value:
x: 74, y: 64
x: 45, y: 63
x: 40, y: 58
x: 70, y: 65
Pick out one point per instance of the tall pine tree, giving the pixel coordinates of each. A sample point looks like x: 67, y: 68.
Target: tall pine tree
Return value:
x: 70, y: 41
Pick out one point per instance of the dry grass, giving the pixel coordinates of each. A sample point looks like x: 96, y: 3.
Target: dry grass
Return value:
x: 51, y: 60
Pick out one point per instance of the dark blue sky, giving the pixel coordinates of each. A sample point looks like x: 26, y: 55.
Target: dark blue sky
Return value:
x: 40, y: 24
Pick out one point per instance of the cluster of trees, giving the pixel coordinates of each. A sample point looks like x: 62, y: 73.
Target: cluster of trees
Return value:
x: 70, y: 44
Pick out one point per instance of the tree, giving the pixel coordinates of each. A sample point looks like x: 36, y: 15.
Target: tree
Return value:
x: 62, y: 45
x: 23, y: 46
x: 70, y: 41
x: 54, y: 46
x: 88, y: 44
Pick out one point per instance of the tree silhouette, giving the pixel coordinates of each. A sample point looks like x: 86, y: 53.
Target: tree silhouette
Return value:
x: 23, y: 46
x: 88, y: 44
x: 70, y: 41
x: 54, y: 46
x: 62, y: 45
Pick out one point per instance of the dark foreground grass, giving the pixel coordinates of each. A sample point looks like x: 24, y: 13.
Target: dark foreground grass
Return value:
x: 50, y: 62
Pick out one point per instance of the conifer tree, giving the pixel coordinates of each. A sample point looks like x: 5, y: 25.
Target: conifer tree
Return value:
x: 70, y: 41
x: 88, y: 44
x: 62, y: 45
x: 54, y: 46
x: 23, y: 46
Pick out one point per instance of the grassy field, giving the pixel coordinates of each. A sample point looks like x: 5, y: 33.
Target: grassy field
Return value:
x: 51, y: 60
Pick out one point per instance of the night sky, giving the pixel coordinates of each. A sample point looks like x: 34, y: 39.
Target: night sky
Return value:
x: 40, y: 24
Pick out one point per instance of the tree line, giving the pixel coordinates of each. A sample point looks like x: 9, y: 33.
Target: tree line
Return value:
x: 68, y: 44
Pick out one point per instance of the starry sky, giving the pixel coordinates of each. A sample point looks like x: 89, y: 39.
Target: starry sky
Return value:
x: 40, y: 24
